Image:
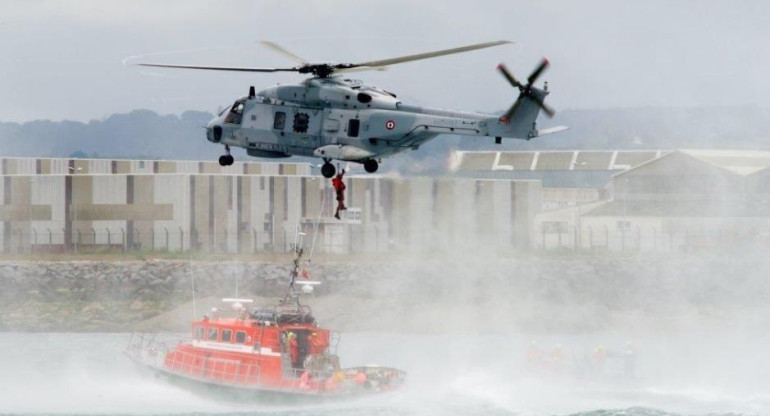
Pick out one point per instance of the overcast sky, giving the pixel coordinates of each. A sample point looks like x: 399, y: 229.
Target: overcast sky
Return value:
x: 64, y: 59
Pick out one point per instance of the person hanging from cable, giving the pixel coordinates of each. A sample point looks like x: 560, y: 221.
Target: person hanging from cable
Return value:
x: 298, y: 251
x: 339, y: 188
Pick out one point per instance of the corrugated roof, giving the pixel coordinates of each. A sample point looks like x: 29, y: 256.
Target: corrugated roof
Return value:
x: 597, y: 160
x: 679, y: 208
x: 741, y: 162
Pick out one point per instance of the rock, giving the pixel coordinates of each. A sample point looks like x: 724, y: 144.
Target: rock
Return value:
x: 92, y: 308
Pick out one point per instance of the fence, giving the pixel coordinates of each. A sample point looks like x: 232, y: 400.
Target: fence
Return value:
x: 341, y: 239
x: 645, y: 238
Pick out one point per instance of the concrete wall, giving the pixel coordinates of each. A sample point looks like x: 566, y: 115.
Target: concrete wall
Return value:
x: 45, y: 166
x: 256, y: 212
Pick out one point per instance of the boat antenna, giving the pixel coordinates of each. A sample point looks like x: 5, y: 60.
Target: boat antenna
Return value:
x: 192, y: 283
x: 235, y: 274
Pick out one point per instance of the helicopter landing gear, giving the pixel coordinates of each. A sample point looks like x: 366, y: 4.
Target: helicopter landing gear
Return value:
x: 328, y: 170
x: 226, y: 159
x: 371, y: 165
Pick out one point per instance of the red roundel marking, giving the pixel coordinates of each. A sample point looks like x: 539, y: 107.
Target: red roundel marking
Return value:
x: 390, y: 124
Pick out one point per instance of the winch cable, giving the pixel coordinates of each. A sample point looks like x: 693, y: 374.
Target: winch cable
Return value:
x: 296, y: 249
x: 298, y: 224
x: 317, y: 223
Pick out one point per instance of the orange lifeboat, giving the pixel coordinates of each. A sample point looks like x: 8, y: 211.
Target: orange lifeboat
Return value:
x: 258, y: 352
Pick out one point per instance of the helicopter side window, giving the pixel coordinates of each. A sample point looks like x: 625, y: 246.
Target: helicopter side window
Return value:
x: 353, y: 126
x: 301, y: 121
x: 280, y: 120
x: 236, y: 113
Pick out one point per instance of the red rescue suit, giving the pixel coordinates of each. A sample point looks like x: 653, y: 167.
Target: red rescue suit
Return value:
x: 293, y: 351
x: 339, y: 189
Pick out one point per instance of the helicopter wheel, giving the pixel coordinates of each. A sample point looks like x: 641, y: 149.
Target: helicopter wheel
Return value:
x: 226, y: 160
x: 328, y: 170
x: 371, y: 166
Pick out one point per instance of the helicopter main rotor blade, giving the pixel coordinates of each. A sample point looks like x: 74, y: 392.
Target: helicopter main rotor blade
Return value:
x: 360, y: 69
x: 427, y: 55
x: 281, y: 50
x: 222, y: 68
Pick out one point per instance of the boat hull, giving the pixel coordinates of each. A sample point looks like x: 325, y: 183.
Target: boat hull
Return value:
x: 251, y: 393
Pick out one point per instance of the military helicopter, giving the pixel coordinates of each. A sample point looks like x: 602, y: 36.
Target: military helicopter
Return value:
x: 335, y: 118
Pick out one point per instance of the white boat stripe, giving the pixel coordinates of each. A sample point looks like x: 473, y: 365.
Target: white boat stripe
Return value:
x: 222, y: 346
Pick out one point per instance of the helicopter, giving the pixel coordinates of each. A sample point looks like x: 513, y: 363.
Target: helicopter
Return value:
x: 332, y: 117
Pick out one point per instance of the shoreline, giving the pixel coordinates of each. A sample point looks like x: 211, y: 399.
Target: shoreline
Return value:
x: 532, y: 294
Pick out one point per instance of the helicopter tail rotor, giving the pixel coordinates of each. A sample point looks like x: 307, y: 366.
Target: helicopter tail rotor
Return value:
x: 526, y: 92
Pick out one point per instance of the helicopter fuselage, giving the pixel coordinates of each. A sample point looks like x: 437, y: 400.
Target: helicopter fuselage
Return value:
x: 341, y: 119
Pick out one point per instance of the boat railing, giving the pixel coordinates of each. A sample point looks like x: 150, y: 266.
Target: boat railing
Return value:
x: 158, y: 351
x: 228, y: 371
x: 151, y: 348
x: 334, y: 342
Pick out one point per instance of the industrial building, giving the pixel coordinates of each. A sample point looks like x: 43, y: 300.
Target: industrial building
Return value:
x: 569, y: 178
x: 56, y: 205
x: 682, y: 200
x: 639, y: 200
x: 580, y: 200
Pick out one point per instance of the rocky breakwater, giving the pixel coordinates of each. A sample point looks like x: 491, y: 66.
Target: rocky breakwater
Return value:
x: 461, y: 292
x: 115, y: 296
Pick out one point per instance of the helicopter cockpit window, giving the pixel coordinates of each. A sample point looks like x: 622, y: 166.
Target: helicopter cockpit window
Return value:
x: 236, y: 113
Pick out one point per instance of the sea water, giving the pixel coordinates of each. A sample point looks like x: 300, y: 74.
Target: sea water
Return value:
x: 448, y: 374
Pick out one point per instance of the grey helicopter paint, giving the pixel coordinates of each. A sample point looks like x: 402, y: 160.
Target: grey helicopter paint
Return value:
x: 334, y: 118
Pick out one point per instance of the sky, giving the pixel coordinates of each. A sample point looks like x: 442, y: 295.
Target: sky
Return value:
x: 72, y: 59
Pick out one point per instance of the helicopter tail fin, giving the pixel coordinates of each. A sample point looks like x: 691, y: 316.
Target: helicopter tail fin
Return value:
x: 523, y: 126
x: 520, y: 122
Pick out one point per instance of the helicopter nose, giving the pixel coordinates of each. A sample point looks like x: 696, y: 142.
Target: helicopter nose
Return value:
x: 214, y: 132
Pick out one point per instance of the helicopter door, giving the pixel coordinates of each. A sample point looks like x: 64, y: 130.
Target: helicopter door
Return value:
x: 268, y: 127
x: 333, y: 125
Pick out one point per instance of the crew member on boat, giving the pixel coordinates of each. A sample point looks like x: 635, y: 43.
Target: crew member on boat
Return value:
x: 293, y: 349
x: 316, y: 345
